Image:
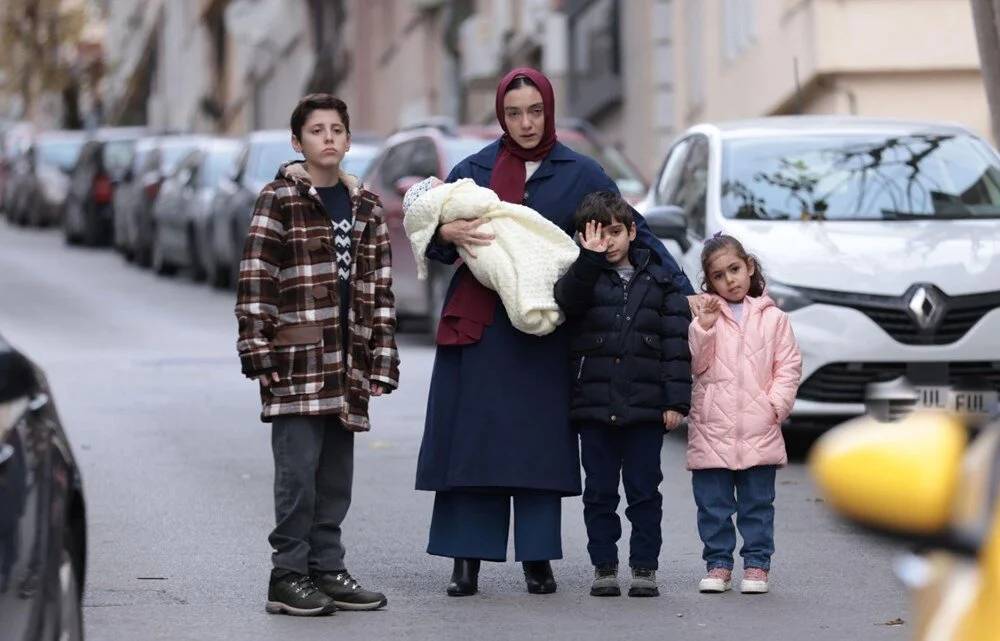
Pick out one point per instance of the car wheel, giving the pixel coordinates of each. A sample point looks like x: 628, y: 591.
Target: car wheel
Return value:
x: 195, y: 256
x: 90, y: 234
x: 160, y: 263
x: 69, y: 235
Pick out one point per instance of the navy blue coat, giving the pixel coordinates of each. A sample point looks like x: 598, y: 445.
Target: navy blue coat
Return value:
x: 498, y: 410
x: 631, y: 360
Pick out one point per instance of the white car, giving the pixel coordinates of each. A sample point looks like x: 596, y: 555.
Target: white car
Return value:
x: 880, y: 238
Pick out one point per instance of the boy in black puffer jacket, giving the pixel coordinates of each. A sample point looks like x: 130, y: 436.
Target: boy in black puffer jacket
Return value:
x: 632, y: 380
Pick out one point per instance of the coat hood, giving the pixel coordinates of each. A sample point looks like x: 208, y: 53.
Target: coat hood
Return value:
x: 295, y: 171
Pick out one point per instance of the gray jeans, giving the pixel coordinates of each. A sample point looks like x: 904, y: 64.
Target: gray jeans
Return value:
x: 313, y: 470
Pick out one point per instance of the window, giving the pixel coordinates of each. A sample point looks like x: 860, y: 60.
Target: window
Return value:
x: 693, y: 189
x: 738, y: 27
x: 670, y: 177
x: 394, y: 165
x: 423, y: 161
x: 694, y: 25
x: 684, y: 181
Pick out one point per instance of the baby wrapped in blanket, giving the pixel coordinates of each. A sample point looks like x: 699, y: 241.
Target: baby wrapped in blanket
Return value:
x: 527, y: 256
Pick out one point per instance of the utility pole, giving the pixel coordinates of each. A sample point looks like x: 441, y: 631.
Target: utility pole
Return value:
x: 986, y: 15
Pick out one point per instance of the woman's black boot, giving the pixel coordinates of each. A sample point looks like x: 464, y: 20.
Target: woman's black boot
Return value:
x: 538, y: 576
x: 464, y: 578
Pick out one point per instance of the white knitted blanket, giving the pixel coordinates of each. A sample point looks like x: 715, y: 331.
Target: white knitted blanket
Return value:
x: 522, y: 264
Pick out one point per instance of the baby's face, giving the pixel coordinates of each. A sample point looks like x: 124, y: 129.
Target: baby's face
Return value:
x: 418, y: 190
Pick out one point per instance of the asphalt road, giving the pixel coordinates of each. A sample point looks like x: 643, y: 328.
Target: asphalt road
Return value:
x: 178, y: 475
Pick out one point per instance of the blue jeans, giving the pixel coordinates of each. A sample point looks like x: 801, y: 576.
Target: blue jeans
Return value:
x: 475, y: 525
x: 633, y: 454
x: 719, y: 493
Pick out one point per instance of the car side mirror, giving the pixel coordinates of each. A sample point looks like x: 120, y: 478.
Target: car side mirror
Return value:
x: 668, y: 221
x: 899, y: 478
x: 403, y: 184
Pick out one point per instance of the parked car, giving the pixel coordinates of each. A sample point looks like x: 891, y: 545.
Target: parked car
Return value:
x: 183, y: 209
x: 155, y: 158
x: 922, y: 485
x: 879, y: 238
x: 105, y: 158
x: 42, y: 511
x: 263, y: 152
x: 45, y: 184
x: 16, y: 202
x: 257, y: 165
x: 408, y: 157
x: 15, y: 137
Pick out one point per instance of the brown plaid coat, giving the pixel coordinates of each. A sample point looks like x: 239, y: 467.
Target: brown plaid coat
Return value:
x: 288, y: 307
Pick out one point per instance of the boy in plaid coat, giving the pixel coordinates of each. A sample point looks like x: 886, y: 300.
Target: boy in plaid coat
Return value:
x: 317, y: 327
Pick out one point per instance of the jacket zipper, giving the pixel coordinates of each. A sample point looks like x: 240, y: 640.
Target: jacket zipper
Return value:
x: 739, y: 386
x: 579, y: 371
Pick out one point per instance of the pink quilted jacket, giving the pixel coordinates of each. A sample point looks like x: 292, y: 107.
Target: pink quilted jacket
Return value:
x: 745, y: 380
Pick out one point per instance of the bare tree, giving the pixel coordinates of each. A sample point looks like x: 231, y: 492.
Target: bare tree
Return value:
x: 986, y: 15
x: 39, y: 37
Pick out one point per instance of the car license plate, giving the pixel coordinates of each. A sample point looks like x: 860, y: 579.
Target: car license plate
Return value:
x: 980, y: 403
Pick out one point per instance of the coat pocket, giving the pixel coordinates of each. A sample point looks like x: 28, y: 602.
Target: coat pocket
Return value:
x: 299, y: 354
x: 583, y: 347
x: 649, y: 346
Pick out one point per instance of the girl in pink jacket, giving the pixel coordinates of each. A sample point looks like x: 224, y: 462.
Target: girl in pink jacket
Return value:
x: 746, y: 368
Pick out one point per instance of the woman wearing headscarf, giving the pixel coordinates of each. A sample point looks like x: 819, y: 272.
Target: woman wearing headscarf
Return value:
x: 497, y: 430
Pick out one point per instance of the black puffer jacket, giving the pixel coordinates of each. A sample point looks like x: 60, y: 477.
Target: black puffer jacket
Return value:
x: 630, y: 343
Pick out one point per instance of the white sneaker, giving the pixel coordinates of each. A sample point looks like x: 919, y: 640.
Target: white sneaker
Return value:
x: 754, y: 581
x: 717, y: 580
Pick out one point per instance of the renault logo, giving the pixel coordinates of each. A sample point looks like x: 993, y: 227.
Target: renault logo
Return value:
x: 926, y: 306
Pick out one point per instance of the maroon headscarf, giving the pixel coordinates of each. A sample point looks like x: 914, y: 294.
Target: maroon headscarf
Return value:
x: 472, y: 305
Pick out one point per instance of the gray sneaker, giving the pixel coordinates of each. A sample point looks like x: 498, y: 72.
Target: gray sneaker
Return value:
x: 605, y: 581
x: 644, y: 583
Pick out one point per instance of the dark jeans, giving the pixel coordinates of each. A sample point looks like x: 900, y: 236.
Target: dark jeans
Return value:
x: 313, y: 471
x: 633, y: 453
x: 749, y: 493
x: 474, y: 525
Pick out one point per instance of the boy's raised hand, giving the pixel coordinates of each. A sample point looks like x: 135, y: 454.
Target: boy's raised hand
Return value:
x: 708, y: 311
x: 591, y: 238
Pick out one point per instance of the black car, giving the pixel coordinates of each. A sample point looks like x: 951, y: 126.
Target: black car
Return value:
x: 105, y: 158
x: 42, y: 513
x: 184, y: 207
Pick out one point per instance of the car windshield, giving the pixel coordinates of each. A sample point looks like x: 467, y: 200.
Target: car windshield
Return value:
x: 267, y: 156
x: 117, y: 156
x: 60, y: 153
x: 218, y: 162
x: 172, y: 153
x: 628, y: 181
x: 356, y: 161
x: 457, y: 150
x: 872, y: 177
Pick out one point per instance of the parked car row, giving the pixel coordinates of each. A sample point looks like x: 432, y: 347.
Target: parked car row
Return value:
x: 183, y: 202
x: 878, y: 237
x: 164, y: 201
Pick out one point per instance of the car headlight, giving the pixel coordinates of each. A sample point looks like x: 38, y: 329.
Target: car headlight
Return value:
x: 787, y: 298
